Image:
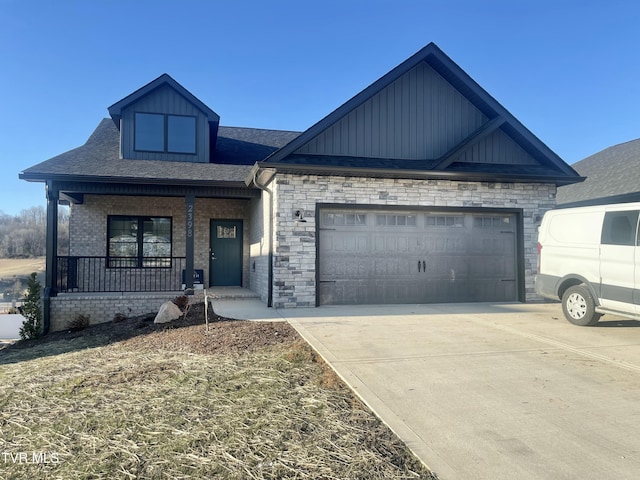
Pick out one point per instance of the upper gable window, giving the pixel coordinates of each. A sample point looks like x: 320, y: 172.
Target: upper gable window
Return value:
x: 165, y: 133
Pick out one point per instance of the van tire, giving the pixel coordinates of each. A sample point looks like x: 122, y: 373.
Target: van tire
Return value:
x: 578, y: 306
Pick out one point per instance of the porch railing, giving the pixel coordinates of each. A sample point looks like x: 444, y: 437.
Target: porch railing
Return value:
x: 119, y: 274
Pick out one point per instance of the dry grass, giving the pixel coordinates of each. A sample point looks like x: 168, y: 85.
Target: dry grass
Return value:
x: 21, y: 267
x: 124, y: 411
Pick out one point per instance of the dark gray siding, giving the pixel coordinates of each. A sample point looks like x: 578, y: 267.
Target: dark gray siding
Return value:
x: 497, y: 148
x: 419, y: 116
x: 164, y: 100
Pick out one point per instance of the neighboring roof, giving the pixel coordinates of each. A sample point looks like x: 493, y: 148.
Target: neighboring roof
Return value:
x: 551, y: 165
x: 613, y: 176
x: 164, y: 79
x: 98, y: 160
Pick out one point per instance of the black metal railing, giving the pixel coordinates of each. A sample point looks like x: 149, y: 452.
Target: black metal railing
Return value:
x: 119, y: 274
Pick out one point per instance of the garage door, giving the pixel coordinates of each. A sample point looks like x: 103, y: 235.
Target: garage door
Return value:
x: 408, y: 256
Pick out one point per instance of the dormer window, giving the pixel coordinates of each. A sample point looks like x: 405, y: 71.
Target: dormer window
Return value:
x: 165, y: 133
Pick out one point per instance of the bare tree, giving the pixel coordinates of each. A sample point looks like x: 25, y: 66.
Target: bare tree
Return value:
x: 24, y: 235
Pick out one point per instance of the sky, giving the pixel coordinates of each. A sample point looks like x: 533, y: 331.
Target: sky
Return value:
x: 569, y: 70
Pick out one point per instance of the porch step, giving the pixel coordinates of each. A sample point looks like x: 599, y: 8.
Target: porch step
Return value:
x: 231, y: 293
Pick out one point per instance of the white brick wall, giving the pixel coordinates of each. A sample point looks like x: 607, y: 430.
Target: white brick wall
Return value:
x: 88, y: 224
x: 259, y: 247
x: 102, y: 307
x: 294, y: 243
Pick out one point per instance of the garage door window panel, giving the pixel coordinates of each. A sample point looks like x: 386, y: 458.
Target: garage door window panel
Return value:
x: 396, y: 220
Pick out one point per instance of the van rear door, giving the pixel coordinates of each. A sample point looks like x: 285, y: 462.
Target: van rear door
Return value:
x: 618, y: 259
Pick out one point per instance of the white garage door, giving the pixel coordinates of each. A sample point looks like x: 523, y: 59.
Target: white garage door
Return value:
x: 406, y: 256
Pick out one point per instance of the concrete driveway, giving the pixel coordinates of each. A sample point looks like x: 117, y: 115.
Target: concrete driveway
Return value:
x: 483, y: 391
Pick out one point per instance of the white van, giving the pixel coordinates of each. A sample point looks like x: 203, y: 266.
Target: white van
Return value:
x: 587, y: 259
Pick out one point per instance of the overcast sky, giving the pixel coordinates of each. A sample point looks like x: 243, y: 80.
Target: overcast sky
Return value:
x: 569, y: 70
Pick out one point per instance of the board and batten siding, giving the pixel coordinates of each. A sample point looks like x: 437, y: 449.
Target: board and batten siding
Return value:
x: 164, y: 100
x: 497, y: 148
x: 419, y: 116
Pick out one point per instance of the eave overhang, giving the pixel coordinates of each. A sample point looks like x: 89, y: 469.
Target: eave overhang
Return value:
x: 460, y: 176
x: 85, y: 184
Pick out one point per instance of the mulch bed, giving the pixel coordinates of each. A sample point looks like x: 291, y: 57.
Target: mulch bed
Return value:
x: 188, y: 333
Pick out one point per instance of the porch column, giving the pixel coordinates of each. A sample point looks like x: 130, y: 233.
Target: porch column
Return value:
x: 50, y: 287
x: 190, y: 201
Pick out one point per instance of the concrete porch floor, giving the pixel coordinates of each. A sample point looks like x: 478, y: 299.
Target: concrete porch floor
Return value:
x: 229, y: 293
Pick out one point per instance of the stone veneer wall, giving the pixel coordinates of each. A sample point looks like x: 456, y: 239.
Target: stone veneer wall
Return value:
x: 295, y: 242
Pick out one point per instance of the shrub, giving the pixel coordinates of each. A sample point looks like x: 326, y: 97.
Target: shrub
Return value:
x: 119, y: 317
x: 79, y: 323
x: 182, y: 302
x: 32, y: 310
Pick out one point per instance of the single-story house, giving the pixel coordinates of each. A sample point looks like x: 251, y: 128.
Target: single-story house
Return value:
x: 612, y: 176
x: 421, y: 188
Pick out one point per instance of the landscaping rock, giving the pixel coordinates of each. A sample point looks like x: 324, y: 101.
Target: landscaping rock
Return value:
x: 168, y: 311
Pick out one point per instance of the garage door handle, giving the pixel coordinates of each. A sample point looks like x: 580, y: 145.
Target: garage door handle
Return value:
x: 424, y: 266
x: 419, y: 265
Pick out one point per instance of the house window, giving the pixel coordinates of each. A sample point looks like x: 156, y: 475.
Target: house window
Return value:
x: 149, y: 132
x: 165, y: 133
x: 226, y: 232
x: 139, y: 242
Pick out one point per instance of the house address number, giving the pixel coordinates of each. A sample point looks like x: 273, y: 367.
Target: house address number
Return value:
x: 190, y: 220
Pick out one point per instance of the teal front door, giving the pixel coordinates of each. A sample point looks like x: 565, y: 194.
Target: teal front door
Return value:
x: 225, y: 259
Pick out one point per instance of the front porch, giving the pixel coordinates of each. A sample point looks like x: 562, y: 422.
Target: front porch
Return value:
x: 128, y: 254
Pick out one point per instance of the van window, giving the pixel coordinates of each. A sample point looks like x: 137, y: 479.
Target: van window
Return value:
x: 619, y: 228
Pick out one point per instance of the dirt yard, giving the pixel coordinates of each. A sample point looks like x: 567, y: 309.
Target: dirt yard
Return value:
x: 187, y: 334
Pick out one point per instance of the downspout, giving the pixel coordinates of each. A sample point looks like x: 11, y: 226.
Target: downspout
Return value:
x: 270, y: 239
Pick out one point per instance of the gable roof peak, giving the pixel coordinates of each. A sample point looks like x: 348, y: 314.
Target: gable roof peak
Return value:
x: 115, y: 110
x: 496, y: 115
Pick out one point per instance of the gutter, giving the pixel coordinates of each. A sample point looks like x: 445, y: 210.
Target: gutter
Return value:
x: 76, y: 178
x: 302, y: 169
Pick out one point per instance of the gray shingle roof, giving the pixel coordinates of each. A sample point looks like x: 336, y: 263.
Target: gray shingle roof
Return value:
x: 98, y: 159
x: 613, y: 175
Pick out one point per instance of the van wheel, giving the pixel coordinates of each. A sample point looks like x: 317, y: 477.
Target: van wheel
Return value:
x: 578, y: 306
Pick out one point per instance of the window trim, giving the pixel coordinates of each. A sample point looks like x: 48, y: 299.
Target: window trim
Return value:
x: 165, y: 133
x: 140, y: 258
